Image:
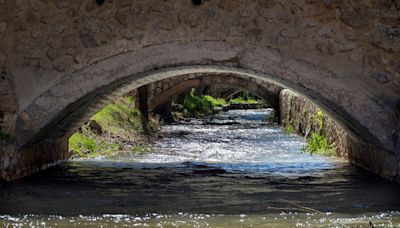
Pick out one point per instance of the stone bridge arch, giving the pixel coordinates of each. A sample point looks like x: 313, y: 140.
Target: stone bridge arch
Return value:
x: 163, y: 91
x: 62, y: 60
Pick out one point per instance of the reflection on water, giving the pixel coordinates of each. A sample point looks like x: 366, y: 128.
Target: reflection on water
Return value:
x: 229, y: 170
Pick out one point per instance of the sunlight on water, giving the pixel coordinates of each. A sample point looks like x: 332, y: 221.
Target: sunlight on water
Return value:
x: 229, y: 170
x: 205, y: 220
x: 248, y: 146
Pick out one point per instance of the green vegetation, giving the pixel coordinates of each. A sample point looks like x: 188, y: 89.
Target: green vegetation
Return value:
x: 197, y: 106
x: 241, y: 100
x: 289, y: 129
x: 245, y: 97
x: 88, y: 144
x: 114, y: 126
x: 318, y: 142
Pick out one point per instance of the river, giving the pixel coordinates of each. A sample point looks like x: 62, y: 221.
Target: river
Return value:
x: 229, y: 170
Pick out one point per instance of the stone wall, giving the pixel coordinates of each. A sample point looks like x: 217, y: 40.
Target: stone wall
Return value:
x: 298, y: 112
x: 61, y: 60
x: 163, y: 90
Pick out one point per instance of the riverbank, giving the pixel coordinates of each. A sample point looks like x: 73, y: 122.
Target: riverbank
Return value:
x: 115, y: 128
x: 248, y: 174
x: 323, y: 134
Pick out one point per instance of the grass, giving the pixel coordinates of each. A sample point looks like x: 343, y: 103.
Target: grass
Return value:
x: 241, y: 100
x: 318, y: 142
x: 289, y: 129
x: 88, y: 144
x: 119, y: 120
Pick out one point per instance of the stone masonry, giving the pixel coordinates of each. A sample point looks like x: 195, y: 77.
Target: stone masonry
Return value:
x: 61, y: 60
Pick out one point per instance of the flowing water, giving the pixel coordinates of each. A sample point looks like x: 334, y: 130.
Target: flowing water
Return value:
x: 230, y: 170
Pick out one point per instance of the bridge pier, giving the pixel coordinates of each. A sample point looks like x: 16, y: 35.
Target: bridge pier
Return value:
x: 18, y: 163
x: 144, y: 107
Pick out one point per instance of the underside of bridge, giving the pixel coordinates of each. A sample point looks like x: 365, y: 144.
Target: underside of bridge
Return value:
x: 161, y: 92
x: 62, y: 60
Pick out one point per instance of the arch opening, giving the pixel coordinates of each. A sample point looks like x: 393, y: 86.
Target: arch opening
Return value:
x: 76, y: 113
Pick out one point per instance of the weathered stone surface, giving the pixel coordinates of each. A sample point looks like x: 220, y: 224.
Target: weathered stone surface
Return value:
x: 88, y: 40
x: 74, y: 53
x: 387, y: 38
x: 62, y: 63
x: 3, y: 26
x: 163, y: 90
x: 297, y: 111
x: 382, y: 77
x: 71, y: 41
x: 267, y: 3
x: 54, y: 54
x: 325, y: 48
x: 62, y: 3
x: 290, y: 33
x: 397, y: 4
x: 3, y: 59
x: 228, y: 5
x: 356, y: 17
